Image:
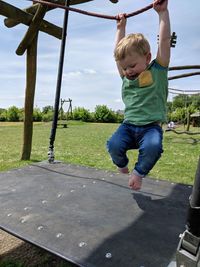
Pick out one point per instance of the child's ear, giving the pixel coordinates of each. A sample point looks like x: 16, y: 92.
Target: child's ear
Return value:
x: 148, y: 58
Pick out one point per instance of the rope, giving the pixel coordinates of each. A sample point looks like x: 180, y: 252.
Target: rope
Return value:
x: 91, y: 13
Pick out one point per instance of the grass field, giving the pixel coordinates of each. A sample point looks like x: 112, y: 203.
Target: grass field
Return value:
x: 84, y: 144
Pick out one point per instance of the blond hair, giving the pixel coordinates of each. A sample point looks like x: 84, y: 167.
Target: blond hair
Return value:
x: 135, y: 42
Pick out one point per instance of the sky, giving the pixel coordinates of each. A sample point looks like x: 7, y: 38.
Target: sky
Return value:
x: 90, y: 76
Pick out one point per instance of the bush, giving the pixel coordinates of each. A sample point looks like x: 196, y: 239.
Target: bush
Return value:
x: 119, y: 117
x: 3, y: 115
x: 104, y: 114
x: 37, y: 114
x: 81, y: 114
x: 13, y: 114
x: 21, y: 114
x: 47, y: 116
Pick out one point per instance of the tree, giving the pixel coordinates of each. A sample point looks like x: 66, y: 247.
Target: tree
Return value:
x: 46, y: 109
x: 179, y: 101
x: 195, y: 99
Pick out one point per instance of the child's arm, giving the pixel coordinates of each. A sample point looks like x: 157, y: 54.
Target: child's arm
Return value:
x: 120, y: 33
x: 163, y: 54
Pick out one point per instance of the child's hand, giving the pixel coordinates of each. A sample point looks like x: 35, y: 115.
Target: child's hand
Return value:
x: 160, y: 6
x: 121, y: 21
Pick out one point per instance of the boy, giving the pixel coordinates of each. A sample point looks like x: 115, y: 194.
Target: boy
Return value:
x: 144, y: 93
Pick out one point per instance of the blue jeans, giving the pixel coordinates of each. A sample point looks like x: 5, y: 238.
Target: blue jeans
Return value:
x: 147, y: 138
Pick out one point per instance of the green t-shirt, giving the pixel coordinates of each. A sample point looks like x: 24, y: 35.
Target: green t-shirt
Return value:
x: 145, y: 98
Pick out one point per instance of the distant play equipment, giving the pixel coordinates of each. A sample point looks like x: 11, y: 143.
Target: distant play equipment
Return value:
x: 194, y: 118
x: 185, y: 74
x: 63, y: 118
x: 185, y: 93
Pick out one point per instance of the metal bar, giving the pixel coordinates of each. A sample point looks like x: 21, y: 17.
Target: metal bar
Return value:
x: 184, y: 75
x: 187, y: 67
x: 188, y: 251
x: 195, y: 199
x: 193, y: 219
x: 58, y: 87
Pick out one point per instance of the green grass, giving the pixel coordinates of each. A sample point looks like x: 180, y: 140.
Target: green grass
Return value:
x: 84, y: 144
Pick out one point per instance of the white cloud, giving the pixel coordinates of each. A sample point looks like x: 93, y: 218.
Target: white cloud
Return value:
x: 78, y: 73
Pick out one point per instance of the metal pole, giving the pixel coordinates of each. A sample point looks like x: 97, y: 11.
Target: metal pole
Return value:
x: 188, y: 252
x: 193, y: 219
x: 58, y: 87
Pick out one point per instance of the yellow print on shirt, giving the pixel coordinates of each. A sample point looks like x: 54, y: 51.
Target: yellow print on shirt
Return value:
x: 145, y: 78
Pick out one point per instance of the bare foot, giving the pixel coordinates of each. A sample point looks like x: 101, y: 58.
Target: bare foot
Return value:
x: 124, y: 170
x: 135, y: 182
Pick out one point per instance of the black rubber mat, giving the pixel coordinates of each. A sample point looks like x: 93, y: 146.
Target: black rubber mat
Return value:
x: 91, y: 217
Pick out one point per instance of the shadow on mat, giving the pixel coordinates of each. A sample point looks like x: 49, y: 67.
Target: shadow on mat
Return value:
x: 152, y: 240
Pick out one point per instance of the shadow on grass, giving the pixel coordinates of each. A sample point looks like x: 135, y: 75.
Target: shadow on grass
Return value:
x: 181, y: 140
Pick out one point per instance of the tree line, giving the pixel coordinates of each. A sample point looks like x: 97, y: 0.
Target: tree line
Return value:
x: 101, y: 114
x: 179, y: 109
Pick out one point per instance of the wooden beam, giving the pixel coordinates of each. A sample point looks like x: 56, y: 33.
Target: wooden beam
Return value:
x: 9, y: 22
x: 32, y: 30
x: 19, y: 15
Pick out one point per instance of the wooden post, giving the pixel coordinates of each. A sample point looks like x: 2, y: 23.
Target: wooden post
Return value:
x: 188, y: 120
x: 31, y: 71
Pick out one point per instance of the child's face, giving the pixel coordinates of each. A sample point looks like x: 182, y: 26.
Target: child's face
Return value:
x: 132, y: 65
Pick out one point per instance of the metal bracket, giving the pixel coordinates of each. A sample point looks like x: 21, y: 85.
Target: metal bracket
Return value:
x: 188, y: 251
x: 51, y: 156
x: 173, y: 39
